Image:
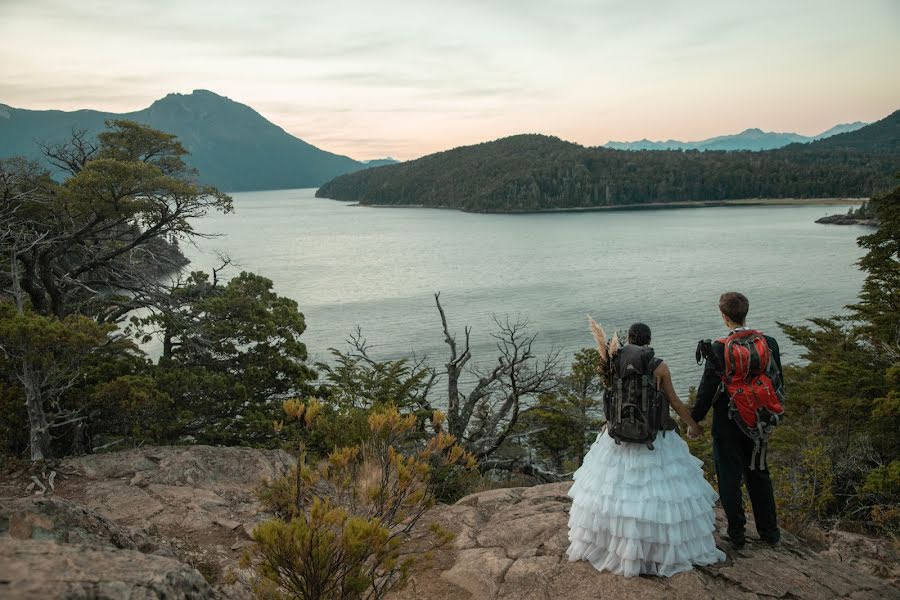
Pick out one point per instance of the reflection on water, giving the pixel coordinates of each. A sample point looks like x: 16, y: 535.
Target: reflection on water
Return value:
x: 379, y: 268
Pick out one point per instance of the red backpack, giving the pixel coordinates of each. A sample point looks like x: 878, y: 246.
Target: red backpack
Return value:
x: 748, y: 376
x: 753, y: 383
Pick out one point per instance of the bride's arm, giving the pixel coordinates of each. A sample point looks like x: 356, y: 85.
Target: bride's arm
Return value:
x: 664, y: 377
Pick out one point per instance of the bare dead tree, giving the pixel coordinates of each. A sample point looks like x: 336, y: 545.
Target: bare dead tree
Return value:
x: 483, y: 418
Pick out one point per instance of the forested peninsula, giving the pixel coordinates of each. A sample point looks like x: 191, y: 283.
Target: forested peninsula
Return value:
x: 537, y: 172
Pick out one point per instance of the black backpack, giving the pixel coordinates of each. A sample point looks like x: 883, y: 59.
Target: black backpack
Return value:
x: 635, y: 408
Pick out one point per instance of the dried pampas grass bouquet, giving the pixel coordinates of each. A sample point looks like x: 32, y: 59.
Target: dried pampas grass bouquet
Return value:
x: 607, y: 349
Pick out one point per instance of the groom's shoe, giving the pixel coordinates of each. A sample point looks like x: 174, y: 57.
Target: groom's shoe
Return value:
x: 737, y: 542
x: 770, y: 537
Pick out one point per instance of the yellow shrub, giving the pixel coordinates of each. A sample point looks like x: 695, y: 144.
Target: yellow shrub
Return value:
x: 346, y: 527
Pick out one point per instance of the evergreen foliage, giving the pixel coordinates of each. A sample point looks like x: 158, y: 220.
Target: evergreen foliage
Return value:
x: 231, y: 354
x: 844, y: 409
x: 77, y: 259
x: 355, y: 385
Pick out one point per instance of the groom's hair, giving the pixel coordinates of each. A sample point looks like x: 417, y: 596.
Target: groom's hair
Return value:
x: 639, y: 334
x: 735, y: 306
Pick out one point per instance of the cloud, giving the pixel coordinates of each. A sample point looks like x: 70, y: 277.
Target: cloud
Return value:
x: 425, y: 75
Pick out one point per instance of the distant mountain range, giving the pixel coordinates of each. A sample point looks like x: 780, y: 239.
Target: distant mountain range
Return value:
x: 749, y: 139
x: 232, y: 146
x: 236, y: 149
x: 538, y: 172
x: 380, y: 162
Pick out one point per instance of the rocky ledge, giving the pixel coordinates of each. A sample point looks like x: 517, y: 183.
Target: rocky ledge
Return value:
x: 181, y: 516
x: 172, y: 522
x: 511, y: 544
x: 40, y: 570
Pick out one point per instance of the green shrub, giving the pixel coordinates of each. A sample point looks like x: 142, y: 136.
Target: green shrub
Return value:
x: 804, y: 487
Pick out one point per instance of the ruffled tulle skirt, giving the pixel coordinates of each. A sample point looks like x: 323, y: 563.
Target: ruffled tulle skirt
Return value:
x: 640, y: 511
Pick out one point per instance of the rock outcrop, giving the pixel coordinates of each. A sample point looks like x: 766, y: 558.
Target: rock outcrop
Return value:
x: 159, y: 509
x: 62, y: 521
x: 206, y: 467
x: 846, y: 219
x: 41, y: 570
x: 178, y: 488
x: 511, y: 544
x: 172, y: 522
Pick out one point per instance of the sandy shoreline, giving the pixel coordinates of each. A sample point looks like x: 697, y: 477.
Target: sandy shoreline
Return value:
x: 646, y: 206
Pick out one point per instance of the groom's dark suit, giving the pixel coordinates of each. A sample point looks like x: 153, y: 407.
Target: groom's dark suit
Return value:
x: 732, y: 451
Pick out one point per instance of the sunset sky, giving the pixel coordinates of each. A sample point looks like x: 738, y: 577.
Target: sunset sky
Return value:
x: 404, y: 78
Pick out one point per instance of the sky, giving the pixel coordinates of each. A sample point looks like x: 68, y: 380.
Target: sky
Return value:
x: 406, y: 78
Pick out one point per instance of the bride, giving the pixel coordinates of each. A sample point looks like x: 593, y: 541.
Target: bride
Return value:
x: 643, y: 508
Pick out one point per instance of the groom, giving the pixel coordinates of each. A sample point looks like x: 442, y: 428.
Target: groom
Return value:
x: 732, y: 449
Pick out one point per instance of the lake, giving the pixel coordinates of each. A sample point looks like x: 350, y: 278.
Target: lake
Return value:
x: 378, y: 268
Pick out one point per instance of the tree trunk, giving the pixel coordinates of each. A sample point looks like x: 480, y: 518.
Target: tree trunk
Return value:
x: 28, y: 282
x: 167, y: 344
x: 39, y: 431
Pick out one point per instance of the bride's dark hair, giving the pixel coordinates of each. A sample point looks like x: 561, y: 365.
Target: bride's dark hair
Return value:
x: 639, y: 334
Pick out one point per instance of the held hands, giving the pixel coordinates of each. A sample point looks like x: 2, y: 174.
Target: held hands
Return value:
x: 694, y: 431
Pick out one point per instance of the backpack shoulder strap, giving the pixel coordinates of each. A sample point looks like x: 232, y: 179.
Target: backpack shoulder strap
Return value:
x: 654, y: 364
x: 728, y: 365
x: 760, y: 348
x: 647, y: 357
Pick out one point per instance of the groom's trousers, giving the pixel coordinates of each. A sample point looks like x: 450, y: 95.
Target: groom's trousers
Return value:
x: 731, y: 453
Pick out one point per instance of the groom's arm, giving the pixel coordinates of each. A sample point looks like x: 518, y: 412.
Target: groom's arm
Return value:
x: 706, y: 391
x: 776, y: 353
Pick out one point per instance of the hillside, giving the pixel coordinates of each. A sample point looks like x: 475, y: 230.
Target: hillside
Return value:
x: 749, y: 139
x: 233, y: 146
x: 537, y: 172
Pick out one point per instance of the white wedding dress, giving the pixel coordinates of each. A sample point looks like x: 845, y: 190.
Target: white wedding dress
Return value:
x: 640, y: 511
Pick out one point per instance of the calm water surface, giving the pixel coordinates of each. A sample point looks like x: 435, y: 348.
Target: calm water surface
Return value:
x: 379, y: 268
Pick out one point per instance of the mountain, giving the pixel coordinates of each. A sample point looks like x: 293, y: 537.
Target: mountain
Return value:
x: 882, y: 137
x: 537, y: 172
x: 842, y: 128
x: 749, y: 139
x: 380, y: 162
x: 232, y: 146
